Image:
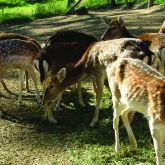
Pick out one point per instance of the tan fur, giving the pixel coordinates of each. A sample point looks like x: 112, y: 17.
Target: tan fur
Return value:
x: 155, y: 41
x: 92, y: 64
x: 18, y: 54
x: 136, y: 86
x: 4, y: 36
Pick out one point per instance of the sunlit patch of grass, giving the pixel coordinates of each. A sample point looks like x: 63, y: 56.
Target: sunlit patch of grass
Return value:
x: 31, y: 12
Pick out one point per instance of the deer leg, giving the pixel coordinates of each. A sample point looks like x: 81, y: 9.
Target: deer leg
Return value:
x: 26, y: 81
x: 158, y: 137
x: 2, y: 72
x: 81, y: 101
x: 116, y: 117
x: 49, y: 114
x: 30, y: 70
x: 26, y: 84
x: 58, y: 102
x: 21, y: 83
x: 99, y: 90
x: 129, y: 129
x: 130, y: 116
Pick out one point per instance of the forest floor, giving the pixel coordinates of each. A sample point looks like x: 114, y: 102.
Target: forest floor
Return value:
x: 25, y: 139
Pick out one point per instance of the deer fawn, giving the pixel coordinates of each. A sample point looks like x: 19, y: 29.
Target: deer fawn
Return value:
x: 19, y: 54
x: 4, y: 36
x: 136, y: 86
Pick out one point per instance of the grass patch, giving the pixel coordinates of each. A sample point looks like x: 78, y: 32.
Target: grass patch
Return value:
x: 26, y: 10
x: 26, y: 139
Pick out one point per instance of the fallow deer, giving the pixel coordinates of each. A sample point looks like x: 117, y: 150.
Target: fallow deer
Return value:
x: 92, y: 64
x: 4, y: 36
x: 19, y: 54
x: 156, y: 41
x: 58, y: 47
x: 138, y: 87
x: 54, y: 57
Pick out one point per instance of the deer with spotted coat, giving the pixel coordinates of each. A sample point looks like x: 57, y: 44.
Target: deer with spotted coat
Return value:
x: 63, y: 48
x: 92, y: 65
x: 156, y: 41
x: 138, y: 87
x: 19, y: 54
x: 4, y: 36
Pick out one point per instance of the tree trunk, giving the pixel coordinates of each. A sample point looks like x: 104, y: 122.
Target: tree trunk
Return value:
x: 150, y: 3
x: 113, y: 3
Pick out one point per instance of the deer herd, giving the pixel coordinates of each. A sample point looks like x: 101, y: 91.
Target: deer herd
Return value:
x: 134, y: 67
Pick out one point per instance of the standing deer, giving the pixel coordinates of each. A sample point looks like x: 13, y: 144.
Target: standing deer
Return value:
x: 92, y: 64
x: 156, y: 41
x: 19, y: 54
x: 138, y: 87
x: 4, y: 36
x: 54, y: 57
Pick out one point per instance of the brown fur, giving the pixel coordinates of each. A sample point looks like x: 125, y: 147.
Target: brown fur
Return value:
x: 141, y: 89
x: 93, y: 64
x: 4, y: 36
x: 18, y: 54
x: 157, y: 40
x: 116, y: 29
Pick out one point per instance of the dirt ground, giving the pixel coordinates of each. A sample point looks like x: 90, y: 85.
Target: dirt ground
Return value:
x: 22, y: 144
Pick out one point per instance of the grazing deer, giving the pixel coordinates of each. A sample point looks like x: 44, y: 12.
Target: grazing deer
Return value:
x: 19, y: 54
x: 4, y: 36
x: 138, y: 87
x: 67, y: 46
x: 92, y: 64
x: 54, y: 57
x: 156, y: 41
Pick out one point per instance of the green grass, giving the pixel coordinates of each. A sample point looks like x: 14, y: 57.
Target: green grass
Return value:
x: 12, y: 11
x: 70, y: 142
x: 26, y: 139
x: 32, y: 11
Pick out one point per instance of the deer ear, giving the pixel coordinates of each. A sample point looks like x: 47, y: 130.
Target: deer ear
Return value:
x: 61, y: 75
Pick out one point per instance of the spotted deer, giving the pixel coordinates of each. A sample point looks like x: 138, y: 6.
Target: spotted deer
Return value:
x: 92, y: 65
x: 4, y: 36
x: 138, y: 87
x: 63, y: 48
x: 156, y: 41
x: 19, y: 54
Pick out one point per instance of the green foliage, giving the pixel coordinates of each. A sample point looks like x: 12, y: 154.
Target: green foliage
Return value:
x: 49, y: 9
x: 12, y: 3
x: 44, y: 8
x: 94, y: 3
